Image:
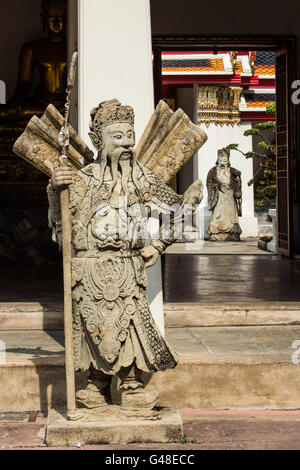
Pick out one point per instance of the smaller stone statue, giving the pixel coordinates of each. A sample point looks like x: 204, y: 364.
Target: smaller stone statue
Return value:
x: 224, y: 200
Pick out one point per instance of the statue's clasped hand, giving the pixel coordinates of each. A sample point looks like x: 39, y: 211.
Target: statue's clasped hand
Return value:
x: 150, y: 255
x: 62, y: 176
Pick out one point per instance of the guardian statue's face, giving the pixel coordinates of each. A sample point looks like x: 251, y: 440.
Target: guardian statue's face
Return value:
x: 119, y: 136
x: 223, y: 161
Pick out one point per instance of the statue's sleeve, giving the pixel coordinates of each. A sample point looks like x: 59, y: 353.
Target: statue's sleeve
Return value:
x: 238, y: 192
x: 54, y: 214
x: 76, y: 192
x: 212, y: 190
x: 171, y: 208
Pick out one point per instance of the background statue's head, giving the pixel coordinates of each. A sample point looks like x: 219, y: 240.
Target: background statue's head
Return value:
x: 223, y: 158
x: 54, y: 15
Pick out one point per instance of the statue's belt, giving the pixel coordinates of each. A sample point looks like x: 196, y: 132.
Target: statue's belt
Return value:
x: 108, y: 253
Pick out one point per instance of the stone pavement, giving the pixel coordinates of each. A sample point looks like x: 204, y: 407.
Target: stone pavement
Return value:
x: 238, y: 366
x: 204, y: 430
x: 230, y: 278
x: 247, y: 246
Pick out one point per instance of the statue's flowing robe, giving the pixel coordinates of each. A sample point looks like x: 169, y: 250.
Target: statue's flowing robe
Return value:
x: 224, y: 200
x: 112, y: 323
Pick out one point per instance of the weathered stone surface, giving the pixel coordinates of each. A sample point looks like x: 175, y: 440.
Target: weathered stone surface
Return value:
x: 170, y: 144
x: 108, y: 429
x: 193, y: 314
x: 105, y: 281
x: 39, y: 144
x: 246, y: 367
x: 110, y: 305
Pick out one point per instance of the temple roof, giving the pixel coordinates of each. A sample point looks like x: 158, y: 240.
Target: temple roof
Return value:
x: 259, y: 63
x: 253, y: 71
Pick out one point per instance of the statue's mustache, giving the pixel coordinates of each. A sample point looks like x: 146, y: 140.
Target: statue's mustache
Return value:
x: 116, y: 154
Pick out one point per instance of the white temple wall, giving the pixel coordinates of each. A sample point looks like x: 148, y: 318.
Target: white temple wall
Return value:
x: 219, y: 137
x: 186, y: 101
x: 115, y: 61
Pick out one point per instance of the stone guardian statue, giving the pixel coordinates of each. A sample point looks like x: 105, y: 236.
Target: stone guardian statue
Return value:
x: 224, y: 200
x: 111, y: 196
x: 113, y: 329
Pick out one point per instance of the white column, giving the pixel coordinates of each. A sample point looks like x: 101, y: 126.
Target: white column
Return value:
x: 115, y: 58
x: 115, y: 61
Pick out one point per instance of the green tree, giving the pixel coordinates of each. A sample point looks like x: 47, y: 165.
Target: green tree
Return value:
x: 266, y: 157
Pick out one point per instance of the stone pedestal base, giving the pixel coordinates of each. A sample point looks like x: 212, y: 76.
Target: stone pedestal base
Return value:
x: 111, y: 426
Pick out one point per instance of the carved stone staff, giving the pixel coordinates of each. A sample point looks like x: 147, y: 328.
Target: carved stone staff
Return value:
x: 64, y: 141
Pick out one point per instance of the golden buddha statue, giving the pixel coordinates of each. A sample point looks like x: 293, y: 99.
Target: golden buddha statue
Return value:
x: 49, y: 57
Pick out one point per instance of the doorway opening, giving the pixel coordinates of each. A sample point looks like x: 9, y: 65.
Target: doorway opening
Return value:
x: 255, y: 75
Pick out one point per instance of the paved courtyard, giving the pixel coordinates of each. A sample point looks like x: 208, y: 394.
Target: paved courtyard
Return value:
x: 230, y: 278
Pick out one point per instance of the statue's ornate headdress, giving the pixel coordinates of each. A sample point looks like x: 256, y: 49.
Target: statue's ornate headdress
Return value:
x: 223, y: 152
x: 108, y: 112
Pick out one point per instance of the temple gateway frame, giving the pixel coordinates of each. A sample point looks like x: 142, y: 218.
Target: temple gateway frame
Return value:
x: 288, y: 164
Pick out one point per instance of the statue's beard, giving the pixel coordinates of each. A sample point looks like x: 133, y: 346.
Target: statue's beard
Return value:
x: 127, y: 167
x: 124, y: 166
x: 223, y: 174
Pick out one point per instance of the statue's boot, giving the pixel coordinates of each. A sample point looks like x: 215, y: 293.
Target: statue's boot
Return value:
x: 97, y: 392
x: 133, y: 393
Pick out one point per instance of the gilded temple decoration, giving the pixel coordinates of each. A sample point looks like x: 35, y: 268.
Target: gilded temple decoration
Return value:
x: 219, y: 105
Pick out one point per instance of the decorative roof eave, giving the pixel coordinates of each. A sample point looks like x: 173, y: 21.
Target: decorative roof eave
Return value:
x: 256, y: 116
x: 266, y: 77
x: 188, y: 73
x: 188, y: 79
x: 256, y: 108
x: 246, y: 63
x: 237, y: 80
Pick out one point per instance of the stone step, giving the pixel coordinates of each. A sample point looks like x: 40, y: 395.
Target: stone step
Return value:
x: 194, y: 314
x: 45, y: 315
x: 49, y: 315
x: 219, y: 368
